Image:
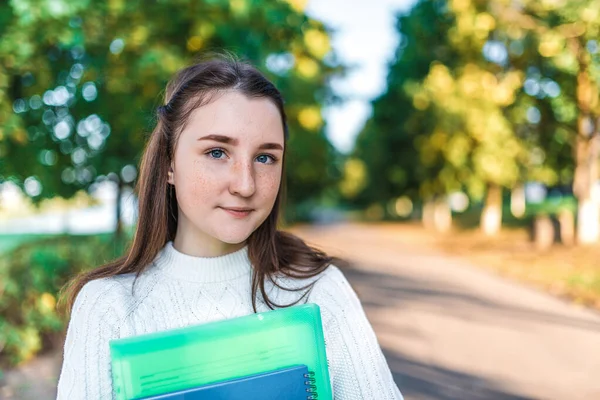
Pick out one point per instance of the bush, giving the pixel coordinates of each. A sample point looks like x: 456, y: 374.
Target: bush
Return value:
x: 31, y: 276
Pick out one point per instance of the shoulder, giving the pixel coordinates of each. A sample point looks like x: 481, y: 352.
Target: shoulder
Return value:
x: 333, y: 293
x: 106, y: 289
x: 102, y: 299
x: 335, y: 274
x: 332, y: 281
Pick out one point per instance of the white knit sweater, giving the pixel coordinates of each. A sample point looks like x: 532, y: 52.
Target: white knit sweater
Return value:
x: 178, y: 290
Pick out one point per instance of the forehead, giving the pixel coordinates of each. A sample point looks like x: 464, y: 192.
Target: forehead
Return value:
x: 235, y: 115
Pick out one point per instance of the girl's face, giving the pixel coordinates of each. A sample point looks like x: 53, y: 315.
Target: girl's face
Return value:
x: 226, y: 172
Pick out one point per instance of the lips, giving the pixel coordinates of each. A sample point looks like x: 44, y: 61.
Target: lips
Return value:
x: 241, y: 209
x: 237, y: 212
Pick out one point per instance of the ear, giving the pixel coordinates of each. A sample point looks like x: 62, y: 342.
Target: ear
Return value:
x: 170, y: 178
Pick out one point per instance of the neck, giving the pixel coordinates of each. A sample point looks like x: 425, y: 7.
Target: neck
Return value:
x: 195, y: 247
x: 204, y: 269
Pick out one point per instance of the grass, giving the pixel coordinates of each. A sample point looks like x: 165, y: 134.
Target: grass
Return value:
x: 9, y: 242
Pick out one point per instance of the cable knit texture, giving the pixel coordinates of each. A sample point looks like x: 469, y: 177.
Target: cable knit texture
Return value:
x: 178, y: 290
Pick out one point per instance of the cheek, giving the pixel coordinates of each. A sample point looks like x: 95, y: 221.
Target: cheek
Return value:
x: 270, y: 183
x: 195, y: 187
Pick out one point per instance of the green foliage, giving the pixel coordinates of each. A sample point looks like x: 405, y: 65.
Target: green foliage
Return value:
x: 108, y: 62
x: 552, y: 206
x: 386, y: 145
x: 30, y: 277
x: 483, y: 93
x: 9, y: 242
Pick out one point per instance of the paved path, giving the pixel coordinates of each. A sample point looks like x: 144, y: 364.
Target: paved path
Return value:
x: 449, y: 331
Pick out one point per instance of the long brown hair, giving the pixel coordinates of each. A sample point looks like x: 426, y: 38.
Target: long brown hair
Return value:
x: 270, y: 250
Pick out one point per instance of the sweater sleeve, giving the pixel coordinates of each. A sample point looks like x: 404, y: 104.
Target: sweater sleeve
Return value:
x: 86, y: 371
x: 357, y: 365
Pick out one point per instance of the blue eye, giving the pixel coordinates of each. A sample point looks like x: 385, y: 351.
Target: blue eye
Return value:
x: 265, y: 159
x: 216, y: 153
x: 219, y: 154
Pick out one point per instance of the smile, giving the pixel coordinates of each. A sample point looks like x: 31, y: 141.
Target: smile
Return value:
x: 237, y: 212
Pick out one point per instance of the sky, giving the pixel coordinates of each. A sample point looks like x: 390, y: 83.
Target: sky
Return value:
x: 364, y: 37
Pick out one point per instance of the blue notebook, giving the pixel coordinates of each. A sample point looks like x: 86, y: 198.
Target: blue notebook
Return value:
x: 293, y: 383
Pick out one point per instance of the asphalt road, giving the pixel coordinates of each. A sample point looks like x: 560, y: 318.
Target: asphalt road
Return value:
x: 453, y: 331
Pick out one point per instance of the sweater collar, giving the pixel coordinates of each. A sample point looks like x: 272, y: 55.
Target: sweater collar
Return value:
x: 203, y: 269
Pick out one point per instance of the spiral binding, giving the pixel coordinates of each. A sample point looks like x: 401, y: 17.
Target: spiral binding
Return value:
x: 310, y: 386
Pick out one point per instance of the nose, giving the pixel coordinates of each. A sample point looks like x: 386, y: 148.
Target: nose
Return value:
x: 242, y: 179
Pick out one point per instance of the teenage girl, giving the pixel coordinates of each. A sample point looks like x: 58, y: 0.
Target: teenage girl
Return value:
x: 207, y: 247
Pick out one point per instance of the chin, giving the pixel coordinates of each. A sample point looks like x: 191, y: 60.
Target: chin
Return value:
x: 232, y: 240
x: 234, y: 237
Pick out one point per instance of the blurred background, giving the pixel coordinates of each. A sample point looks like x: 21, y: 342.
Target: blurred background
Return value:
x: 449, y: 148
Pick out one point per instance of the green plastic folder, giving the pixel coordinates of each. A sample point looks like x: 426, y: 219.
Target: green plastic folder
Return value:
x: 178, y: 359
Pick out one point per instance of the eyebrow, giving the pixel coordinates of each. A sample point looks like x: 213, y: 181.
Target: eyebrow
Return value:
x: 234, y: 142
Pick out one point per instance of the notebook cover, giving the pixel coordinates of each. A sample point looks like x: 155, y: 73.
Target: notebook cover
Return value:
x: 179, y: 359
x: 287, y: 383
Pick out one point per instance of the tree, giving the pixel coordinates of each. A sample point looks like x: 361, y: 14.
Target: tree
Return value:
x: 493, y: 102
x: 453, y: 100
x: 566, y: 34
x: 87, y: 79
x: 386, y: 144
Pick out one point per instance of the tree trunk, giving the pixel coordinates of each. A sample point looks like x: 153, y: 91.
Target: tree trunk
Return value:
x: 566, y: 223
x: 118, y: 223
x: 517, y: 201
x: 491, y: 217
x: 442, y: 217
x: 587, y: 221
x: 428, y: 214
x: 437, y: 214
x: 586, y: 175
x: 543, y: 232
x: 586, y: 151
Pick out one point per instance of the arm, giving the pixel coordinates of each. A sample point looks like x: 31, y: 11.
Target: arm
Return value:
x: 356, y: 363
x: 86, y: 372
